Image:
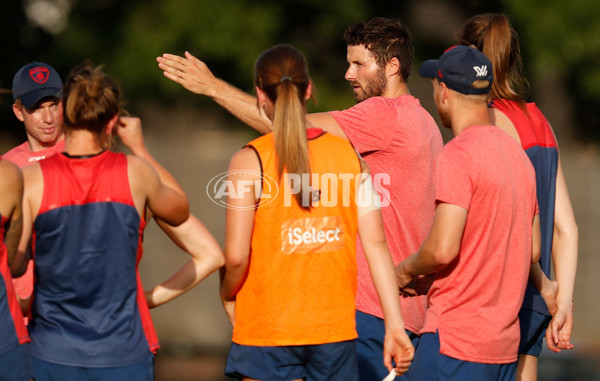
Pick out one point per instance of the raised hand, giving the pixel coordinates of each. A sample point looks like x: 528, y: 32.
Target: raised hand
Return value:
x: 188, y: 71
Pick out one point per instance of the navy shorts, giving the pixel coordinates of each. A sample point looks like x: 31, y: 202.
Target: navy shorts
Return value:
x: 369, y: 348
x: 430, y: 365
x: 533, y: 330
x: 15, y: 364
x: 323, y: 362
x: 47, y: 371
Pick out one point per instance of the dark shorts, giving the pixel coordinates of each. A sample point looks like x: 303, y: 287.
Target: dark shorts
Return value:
x: 430, y: 365
x: 369, y: 348
x: 533, y: 330
x: 323, y: 362
x: 15, y: 364
x: 47, y: 371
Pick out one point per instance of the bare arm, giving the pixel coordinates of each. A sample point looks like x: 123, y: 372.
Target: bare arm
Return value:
x: 196, y: 77
x: 191, y: 236
x: 129, y: 130
x: 11, y: 196
x: 238, y: 228
x: 564, y: 256
x: 397, y: 344
x: 206, y: 257
x: 33, y: 182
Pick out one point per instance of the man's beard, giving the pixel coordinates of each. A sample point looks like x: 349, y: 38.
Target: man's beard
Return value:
x: 373, y: 88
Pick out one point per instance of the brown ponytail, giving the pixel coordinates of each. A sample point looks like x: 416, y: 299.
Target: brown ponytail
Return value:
x: 492, y: 34
x: 281, y: 72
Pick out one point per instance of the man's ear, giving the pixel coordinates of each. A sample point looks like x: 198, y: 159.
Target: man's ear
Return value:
x: 393, y: 67
x: 18, y: 112
x: 443, y: 91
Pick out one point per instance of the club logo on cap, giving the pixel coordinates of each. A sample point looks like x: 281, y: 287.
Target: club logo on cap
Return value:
x: 39, y: 74
x: 481, y: 70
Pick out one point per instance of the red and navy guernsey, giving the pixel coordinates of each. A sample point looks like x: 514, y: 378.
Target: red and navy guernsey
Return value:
x: 538, y: 141
x: 89, y: 308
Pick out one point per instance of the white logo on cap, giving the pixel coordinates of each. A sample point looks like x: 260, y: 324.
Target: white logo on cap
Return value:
x: 480, y: 70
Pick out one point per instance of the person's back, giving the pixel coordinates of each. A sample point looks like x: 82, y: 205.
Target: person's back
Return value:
x: 401, y: 158
x: 492, y: 34
x: 484, y: 236
x: 86, y: 208
x: 485, y: 171
x: 88, y: 215
x: 302, y: 277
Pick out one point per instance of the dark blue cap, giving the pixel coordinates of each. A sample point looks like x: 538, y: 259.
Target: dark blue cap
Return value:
x: 35, y: 81
x: 458, y: 68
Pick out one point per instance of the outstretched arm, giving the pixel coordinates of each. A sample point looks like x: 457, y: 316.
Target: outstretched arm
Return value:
x: 196, y: 77
x: 397, y: 344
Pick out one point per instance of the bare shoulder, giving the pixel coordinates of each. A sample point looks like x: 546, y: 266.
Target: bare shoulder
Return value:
x: 244, y: 159
x: 139, y: 168
x: 10, y: 173
x: 32, y: 175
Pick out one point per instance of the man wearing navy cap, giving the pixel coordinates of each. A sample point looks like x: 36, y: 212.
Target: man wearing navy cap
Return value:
x: 37, y: 91
x: 480, y: 243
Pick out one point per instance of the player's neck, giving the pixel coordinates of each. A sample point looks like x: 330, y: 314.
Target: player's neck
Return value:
x: 395, y: 89
x: 82, y: 142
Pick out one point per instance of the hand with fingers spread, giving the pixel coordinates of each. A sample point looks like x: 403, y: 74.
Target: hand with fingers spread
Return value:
x: 188, y: 71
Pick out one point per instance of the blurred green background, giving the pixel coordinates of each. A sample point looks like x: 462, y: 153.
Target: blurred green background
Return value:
x: 194, y: 138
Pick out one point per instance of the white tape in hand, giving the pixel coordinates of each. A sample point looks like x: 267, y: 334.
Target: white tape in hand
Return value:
x: 391, y: 376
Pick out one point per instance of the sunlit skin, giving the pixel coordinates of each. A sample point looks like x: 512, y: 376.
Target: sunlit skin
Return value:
x: 364, y: 74
x: 437, y: 97
x: 43, y: 122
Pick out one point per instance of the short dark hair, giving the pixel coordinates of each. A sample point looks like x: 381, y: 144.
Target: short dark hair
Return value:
x: 386, y: 39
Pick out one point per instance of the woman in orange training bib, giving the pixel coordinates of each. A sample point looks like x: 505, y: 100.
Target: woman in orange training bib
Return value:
x: 294, y: 211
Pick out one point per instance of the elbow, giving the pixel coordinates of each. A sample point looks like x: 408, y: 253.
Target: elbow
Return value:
x: 180, y: 214
x: 217, y: 258
x: 442, y: 256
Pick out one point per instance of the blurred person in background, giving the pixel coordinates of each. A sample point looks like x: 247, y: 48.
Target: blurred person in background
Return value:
x: 494, y: 36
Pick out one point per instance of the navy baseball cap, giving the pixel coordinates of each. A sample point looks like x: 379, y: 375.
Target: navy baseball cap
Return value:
x: 35, y: 81
x: 458, y: 68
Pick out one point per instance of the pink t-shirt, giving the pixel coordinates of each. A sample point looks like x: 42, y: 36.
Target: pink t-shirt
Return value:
x: 23, y: 156
x: 399, y: 140
x: 474, y: 301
